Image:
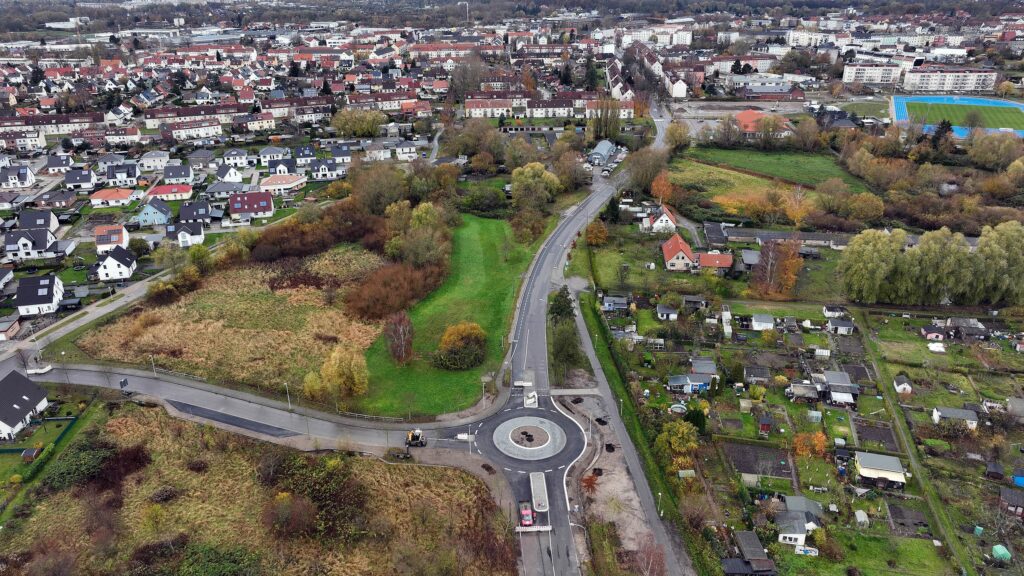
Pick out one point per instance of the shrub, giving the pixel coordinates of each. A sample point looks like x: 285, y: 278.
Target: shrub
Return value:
x: 270, y: 466
x: 15, y: 479
x: 463, y: 345
x: 164, y: 494
x: 391, y: 289
x: 161, y: 292
x: 197, y: 465
x: 153, y: 552
x: 334, y: 491
x: 290, y: 515
x: 80, y: 463
x: 205, y: 560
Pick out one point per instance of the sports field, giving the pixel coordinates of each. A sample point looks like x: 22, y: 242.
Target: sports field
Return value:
x: 991, y: 116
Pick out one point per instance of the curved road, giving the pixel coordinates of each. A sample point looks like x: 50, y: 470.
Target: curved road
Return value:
x: 544, y: 553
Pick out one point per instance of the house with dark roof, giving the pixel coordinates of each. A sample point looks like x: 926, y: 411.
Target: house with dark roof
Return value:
x: 123, y: 175
x: 1011, y: 501
x: 79, y: 179
x: 947, y: 414
x: 39, y: 295
x: 156, y: 212
x: 753, y: 559
x: 20, y: 400
x: 32, y: 219
x: 246, y: 207
x: 186, y: 234
x: 117, y: 264
x: 29, y: 244
x: 178, y: 174
x: 198, y: 212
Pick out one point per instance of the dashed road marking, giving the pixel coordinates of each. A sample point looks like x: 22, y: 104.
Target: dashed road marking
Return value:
x: 507, y: 469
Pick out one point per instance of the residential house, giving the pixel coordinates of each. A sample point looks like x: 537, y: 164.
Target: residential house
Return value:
x: 715, y: 261
x: 123, y: 175
x: 39, y: 295
x: 280, y: 184
x: 269, y: 153
x: 80, y: 180
x: 56, y: 199
x: 933, y: 333
x: 662, y: 222
x: 304, y: 155
x: 690, y: 383
x: 196, y: 212
x: 32, y: 219
x: 377, y: 152
x: 114, y: 197
x: 108, y: 160
x: 110, y: 236
x: 839, y: 326
x: 748, y: 260
x: 178, y: 174
x: 326, y: 169
x: 117, y: 264
x: 237, y: 158
x: 154, y: 160
x: 171, y: 192
x: 760, y: 375
x: 30, y: 244
x: 202, y: 158
x: 156, y: 212
x: 944, y: 413
x: 59, y: 164
x: 762, y: 322
x: 228, y: 173
x: 20, y: 401
x: 879, y: 470
x: 246, y: 207
x: 186, y: 234
x: 677, y: 254
x: 283, y: 166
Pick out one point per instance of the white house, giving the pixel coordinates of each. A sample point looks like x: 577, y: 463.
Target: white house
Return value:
x: 186, y: 234
x: 228, y: 173
x: 968, y: 417
x: 677, y: 254
x: 20, y: 400
x: 664, y: 222
x: 237, y: 158
x: 39, y: 295
x: 902, y: 384
x: 762, y: 322
x: 154, y: 160
x: 117, y: 264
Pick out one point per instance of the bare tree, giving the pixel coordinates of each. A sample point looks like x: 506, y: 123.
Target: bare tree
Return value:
x: 399, y: 332
x: 650, y: 557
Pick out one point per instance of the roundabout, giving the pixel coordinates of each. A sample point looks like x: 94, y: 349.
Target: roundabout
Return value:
x: 529, y: 438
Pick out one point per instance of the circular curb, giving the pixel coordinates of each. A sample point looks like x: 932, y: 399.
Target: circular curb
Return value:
x: 502, y: 438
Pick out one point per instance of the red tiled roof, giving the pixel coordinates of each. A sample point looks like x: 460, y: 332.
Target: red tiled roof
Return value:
x: 675, y: 245
x: 714, y: 260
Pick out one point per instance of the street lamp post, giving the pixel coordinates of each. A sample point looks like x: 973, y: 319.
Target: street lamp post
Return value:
x: 289, y: 395
x: 661, y: 513
x: 467, y: 10
x: 152, y: 364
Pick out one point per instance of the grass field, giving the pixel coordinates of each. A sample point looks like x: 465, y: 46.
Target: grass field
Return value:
x: 481, y: 287
x: 874, y: 555
x: 433, y: 500
x: 991, y: 116
x: 878, y: 109
x: 800, y: 167
x: 235, y: 329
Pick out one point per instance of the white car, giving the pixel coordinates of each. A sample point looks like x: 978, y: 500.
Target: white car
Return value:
x: 605, y: 173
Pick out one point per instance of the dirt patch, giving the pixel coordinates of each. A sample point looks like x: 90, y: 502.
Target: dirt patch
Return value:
x: 868, y: 431
x: 849, y: 346
x: 908, y: 522
x: 578, y: 378
x: 732, y: 423
x: 760, y: 460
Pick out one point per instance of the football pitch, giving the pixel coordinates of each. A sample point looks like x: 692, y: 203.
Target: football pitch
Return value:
x: 991, y: 116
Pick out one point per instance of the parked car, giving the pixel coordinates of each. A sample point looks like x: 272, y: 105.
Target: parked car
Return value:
x: 525, y: 514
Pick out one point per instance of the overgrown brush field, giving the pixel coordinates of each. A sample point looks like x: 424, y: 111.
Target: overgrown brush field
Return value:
x: 258, y: 325
x: 412, y: 514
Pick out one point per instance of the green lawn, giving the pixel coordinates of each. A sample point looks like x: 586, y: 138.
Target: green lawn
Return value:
x: 481, y: 287
x: 87, y: 252
x: 873, y: 555
x: 779, y: 309
x: 817, y: 281
x: 801, y: 167
x: 878, y: 109
x: 991, y: 116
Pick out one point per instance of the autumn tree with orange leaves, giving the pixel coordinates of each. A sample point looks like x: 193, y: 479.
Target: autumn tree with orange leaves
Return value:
x: 810, y: 444
x: 662, y: 188
x: 776, y: 273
